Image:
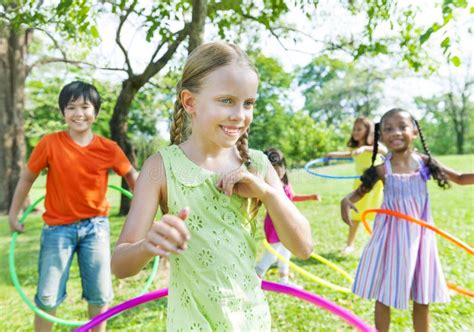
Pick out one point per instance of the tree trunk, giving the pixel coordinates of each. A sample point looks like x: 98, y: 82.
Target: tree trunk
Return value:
x: 13, y: 48
x: 196, y: 34
x: 118, y: 123
x: 459, y: 142
x: 118, y: 129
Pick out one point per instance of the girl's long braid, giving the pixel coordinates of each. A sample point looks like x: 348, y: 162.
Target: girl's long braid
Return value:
x: 435, y: 169
x: 243, y: 148
x: 179, y: 121
x: 369, y: 178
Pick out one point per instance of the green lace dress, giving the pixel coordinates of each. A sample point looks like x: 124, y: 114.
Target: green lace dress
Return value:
x: 213, y: 284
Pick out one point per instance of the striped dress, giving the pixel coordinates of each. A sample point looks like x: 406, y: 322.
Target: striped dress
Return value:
x: 401, y: 261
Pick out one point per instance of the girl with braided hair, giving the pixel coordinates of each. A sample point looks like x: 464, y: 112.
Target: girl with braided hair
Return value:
x: 401, y: 261
x: 208, y: 184
x: 361, y: 145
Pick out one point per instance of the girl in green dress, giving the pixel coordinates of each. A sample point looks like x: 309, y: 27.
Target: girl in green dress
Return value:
x: 209, y: 185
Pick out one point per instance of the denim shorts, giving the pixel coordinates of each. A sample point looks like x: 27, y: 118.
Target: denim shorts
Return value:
x: 90, y: 239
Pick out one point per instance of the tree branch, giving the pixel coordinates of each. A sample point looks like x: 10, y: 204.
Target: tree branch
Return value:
x: 55, y: 42
x: 77, y: 63
x: 124, y: 18
x: 158, y: 48
x: 273, y: 31
x: 156, y: 66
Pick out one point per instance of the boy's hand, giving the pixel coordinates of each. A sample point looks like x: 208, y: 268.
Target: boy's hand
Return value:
x: 169, y: 235
x: 15, y: 226
x: 346, y: 205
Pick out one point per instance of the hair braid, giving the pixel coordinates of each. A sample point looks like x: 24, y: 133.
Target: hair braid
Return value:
x: 435, y: 169
x: 376, y: 142
x: 369, y: 177
x: 179, y: 122
x: 243, y: 148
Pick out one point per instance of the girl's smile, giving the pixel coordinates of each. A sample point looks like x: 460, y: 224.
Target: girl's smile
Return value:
x: 398, y: 131
x: 222, y: 110
x: 232, y: 131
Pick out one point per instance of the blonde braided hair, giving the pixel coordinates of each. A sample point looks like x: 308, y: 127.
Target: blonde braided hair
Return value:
x: 178, y: 126
x: 202, y: 61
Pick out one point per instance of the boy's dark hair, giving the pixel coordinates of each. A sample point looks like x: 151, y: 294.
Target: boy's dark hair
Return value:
x: 276, y: 159
x: 369, y: 136
x: 369, y: 178
x: 74, y: 90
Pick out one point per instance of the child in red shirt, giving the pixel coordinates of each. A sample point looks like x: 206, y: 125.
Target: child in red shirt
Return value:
x: 76, y: 215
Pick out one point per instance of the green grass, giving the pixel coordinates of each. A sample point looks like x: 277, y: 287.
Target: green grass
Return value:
x: 452, y: 210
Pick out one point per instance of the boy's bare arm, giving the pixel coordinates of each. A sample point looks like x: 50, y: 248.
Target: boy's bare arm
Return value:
x: 27, y: 178
x: 131, y: 178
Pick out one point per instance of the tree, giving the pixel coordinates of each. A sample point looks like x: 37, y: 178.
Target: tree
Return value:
x: 18, y: 19
x: 278, y: 124
x: 168, y: 24
x: 454, y: 109
x: 335, y: 90
x: 13, y: 46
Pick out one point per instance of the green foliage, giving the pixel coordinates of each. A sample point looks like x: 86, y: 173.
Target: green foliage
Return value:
x: 438, y: 126
x: 335, y: 90
x: 277, y: 124
x: 147, y: 146
x: 448, y: 7
x: 410, y: 36
x: 72, y: 19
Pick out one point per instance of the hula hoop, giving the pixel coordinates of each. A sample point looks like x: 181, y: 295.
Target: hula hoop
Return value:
x: 435, y: 229
x: 16, y: 282
x: 334, y: 177
x: 332, y: 266
x: 303, y: 198
x: 318, y: 301
x: 305, y: 273
x: 460, y: 290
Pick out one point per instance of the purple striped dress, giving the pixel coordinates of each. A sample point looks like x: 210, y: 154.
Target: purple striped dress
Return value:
x: 401, y: 260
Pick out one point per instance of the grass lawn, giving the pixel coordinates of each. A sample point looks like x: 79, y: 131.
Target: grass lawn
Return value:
x: 452, y: 210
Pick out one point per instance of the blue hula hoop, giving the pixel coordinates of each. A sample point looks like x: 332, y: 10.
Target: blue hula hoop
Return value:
x: 334, y: 177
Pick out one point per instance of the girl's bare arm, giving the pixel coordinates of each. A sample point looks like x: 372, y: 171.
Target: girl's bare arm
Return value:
x: 292, y: 227
x: 142, y: 237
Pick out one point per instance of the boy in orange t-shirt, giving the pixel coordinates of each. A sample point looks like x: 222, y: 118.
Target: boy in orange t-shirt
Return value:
x: 76, y: 215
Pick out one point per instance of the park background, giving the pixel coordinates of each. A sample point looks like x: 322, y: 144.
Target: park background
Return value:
x: 321, y: 64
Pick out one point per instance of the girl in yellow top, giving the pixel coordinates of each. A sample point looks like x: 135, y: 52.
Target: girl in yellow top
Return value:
x: 361, y: 144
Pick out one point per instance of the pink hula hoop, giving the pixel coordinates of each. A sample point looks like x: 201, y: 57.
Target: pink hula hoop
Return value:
x: 321, y: 302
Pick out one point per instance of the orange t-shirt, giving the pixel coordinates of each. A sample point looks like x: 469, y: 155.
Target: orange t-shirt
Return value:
x: 76, y: 184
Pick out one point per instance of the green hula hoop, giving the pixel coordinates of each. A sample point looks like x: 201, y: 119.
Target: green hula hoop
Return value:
x: 16, y: 282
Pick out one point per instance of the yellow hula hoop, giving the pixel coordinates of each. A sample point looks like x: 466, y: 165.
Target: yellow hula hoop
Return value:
x: 332, y: 266
x: 305, y: 273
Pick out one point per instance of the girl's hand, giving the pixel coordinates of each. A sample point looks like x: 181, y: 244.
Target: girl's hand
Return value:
x: 243, y: 183
x: 358, y: 151
x: 169, y: 235
x: 346, y: 206
x: 318, y: 197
